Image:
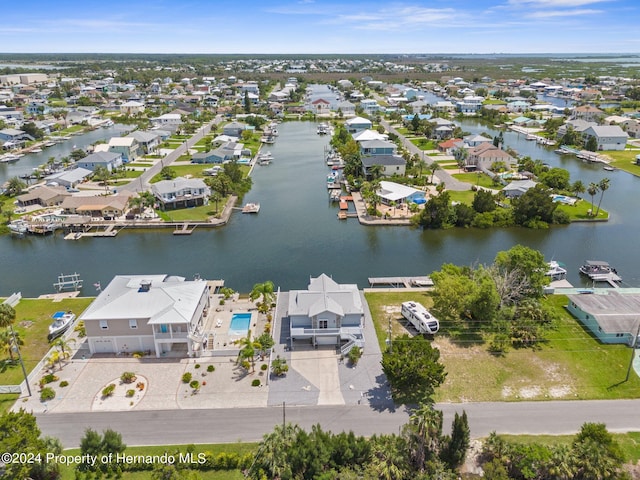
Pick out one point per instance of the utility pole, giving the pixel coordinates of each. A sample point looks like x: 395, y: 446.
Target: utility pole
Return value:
x: 633, y: 351
x: 283, y: 417
x: 17, y: 349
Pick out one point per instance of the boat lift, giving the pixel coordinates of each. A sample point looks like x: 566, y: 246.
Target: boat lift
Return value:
x: 68, y: 282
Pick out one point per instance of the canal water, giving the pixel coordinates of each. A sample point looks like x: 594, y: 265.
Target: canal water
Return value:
x: 297, y: 234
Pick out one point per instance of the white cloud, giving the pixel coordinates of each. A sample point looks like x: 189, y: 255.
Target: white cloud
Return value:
x: 562, y: 13
x: 402, y: 18
x: 553, y: 3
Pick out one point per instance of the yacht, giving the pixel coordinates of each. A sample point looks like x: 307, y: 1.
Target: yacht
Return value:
x: 556, y: 271
x: 251, y: 208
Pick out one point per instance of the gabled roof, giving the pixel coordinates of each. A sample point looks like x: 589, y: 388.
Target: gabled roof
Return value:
x: 395, y: 191
x: 100, y: 157
x: 179, y: 183
x: 384, y: 160
x: 122, y: 141
x: 358, y: 121
x: 325, y: 295
x: 607, y: 131
x: 143, y: 137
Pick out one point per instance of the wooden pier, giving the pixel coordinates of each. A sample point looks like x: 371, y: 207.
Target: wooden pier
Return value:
x: 401, y: 282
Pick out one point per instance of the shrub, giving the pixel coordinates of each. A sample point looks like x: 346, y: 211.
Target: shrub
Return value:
x: 263, y: 367
x: 195, y: 384
x: 108, y: 390
x: 140, y: 386
x: 255, y: 382
x: 64, y: 383
x: 131, y: 392
x: 210, y: 368
x: 197, y: 365
x: 354, y: 355
x: 49, y: 378
x: 80, y: 330
x: 128, y: 377
x: 279, y: 366
x: 47, y: 393
x: 186, y: 377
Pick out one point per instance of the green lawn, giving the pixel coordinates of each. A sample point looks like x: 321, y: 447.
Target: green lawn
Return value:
x: 474, y: 178
x: 424, y: 143
x: 572, y: 364
x: 193, y: 169
x: 32, y: 324
x: 68, y: 472
x: 199, y: 214
x: 580, y: 211
x: 624, y: 160
x: 465, y: 196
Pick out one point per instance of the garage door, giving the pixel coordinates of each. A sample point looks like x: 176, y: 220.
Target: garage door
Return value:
x: 103, y: 346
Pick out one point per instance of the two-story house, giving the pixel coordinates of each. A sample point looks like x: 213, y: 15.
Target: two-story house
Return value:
x: 327, y: 313
x: 127, y: 147
x: 609, y: 137
x: 109, y: 160
x: 155, y: 313
x: 181, y: 193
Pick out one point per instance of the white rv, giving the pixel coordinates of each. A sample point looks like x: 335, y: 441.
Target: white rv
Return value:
x: 420, y: 318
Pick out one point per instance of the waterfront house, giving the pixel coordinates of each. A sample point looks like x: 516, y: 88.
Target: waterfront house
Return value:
x: 13, y: 138
x: 181, y: 193
x: 109, y: 160
x: 391, y: 192
x: 358, y: 124
x: 517, y: 188
x: 485, y: 154
x: 69, y: 178
x: 369, y: 135
x: 104, y: 206
x: 347, y: 108
x: 377, y: 147
x: 147, y: 313
x: 131, y: 107
x: 126, y: 147
x: 226, y: 152
x: 610, y: 314
x: 44, y: 195
x: 234, y: 129
x: 369, y: 106
x: 469, y: 104
x: 391, y: 164
x: 609, y: 137
x: 170, y: 121
x: 475, y: 140
x: 326, y: 313
x: 321, y: 106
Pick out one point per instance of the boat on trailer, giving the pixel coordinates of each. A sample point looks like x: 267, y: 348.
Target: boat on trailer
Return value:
x: 61, y: 322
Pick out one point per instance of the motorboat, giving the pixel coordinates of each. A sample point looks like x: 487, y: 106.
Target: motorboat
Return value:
x: 599, y: 270
x: 251, y: 208
x: 323, y: 129
x: 556, y: 271
x: 19, y: 227
x: 61, y: 322
x: 9, y: 158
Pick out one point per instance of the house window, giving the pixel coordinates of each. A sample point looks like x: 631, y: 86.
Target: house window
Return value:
x: 104, y: 325
x: 323, y: 323
x: 133, y: 323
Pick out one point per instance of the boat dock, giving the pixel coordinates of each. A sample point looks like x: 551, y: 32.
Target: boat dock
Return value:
x: 399, y: 282
x: 185, y: 230
x: 610, y: 278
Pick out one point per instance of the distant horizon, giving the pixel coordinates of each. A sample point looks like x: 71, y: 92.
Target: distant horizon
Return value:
x: 310, y: 27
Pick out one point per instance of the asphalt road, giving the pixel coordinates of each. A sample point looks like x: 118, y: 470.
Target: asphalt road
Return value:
x: 250, y: 424
x: 141, y: 183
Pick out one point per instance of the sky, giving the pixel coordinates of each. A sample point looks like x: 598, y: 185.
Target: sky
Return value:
x: 320, y: 26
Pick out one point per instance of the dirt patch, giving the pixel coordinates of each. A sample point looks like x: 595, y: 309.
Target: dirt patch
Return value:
x: 26, y: 323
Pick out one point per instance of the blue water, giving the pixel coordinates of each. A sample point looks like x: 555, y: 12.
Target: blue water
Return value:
x: 240, y: 324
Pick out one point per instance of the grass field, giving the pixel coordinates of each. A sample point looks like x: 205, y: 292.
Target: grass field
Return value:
x: 193, y: 169
x: 580, y: 211
x: 572, y: 364
x: 196, y: 214
x: 624, y: 160
x: 473, y: 178
x: 33, y: 318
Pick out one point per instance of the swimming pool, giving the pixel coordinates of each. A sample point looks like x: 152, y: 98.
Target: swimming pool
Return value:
x: 239, y: 324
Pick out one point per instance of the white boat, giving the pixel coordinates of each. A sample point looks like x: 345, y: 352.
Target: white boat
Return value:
x: 36, y: 150
x: 323, y: 129
x: 19, y: 227
x: 556, y: 271
x: 9, y: 158
x: 251, y: 208
x: 608, y: 168
x: 61, y: 322
x: 108, y: 123
x: 420, y: 317
x: 598, y: 270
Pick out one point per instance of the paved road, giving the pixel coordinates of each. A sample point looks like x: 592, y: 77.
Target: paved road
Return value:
x: 141, y: 183
x: 442, y: 175
x: 250, y: 424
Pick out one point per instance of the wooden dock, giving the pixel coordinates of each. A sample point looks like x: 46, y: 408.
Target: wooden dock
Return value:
x: 406, y: 282
x: 185, y: 230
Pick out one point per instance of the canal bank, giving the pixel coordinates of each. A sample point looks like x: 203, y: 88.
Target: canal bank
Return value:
x: 297, y: 234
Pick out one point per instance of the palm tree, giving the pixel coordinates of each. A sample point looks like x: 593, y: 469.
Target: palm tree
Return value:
x: 102, y: 174
x: 15, y: 185
x: 247, y: 353
x: 375, y: 171
x: 7, y: 317
x: 266, y: 291
x: 9, y: 341
x: 433, y: 166
x: 592, y: 190
x: 64, y: 346
x: 603, y: 185
x: 216, y: 197
x: 578, y: 187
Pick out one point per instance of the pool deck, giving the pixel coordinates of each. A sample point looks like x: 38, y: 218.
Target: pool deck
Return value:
x: 218, y: 323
